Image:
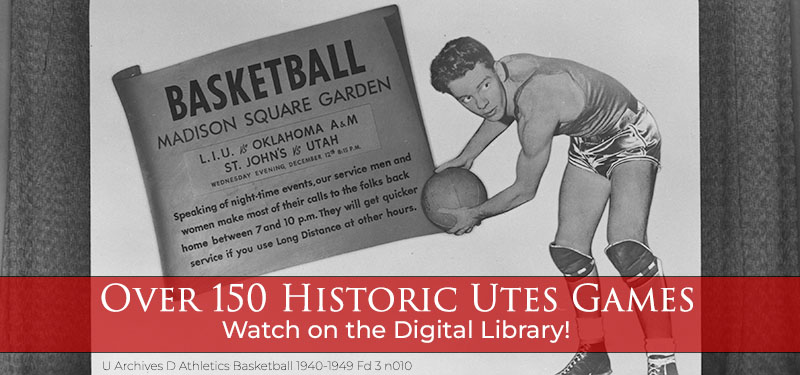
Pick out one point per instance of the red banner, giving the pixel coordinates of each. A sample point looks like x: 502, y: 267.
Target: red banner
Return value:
x: 45, y: 314
x: 386, y: 314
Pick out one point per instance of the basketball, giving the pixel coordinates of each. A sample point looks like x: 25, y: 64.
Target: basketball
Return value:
x: 451, y: 188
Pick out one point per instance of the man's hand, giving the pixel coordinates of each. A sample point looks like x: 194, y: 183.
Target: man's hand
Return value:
x: 466, y: 219
x: 458, y: 162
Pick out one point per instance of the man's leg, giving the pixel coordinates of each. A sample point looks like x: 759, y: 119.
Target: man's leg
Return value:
x: 632, y: 186
x: 582, y: 200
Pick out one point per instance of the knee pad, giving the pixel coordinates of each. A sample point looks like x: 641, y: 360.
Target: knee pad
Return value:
x: 571, y: 262
x: 634, y: 261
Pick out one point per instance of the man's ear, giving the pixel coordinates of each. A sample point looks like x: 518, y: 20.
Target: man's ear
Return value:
x: 501, y: 69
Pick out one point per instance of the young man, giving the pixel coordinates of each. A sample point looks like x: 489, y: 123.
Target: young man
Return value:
x: 614, y: 155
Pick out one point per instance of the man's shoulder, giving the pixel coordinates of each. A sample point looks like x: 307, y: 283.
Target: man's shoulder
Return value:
x: 548, y: 93
x: 519, y: 66
x: 523, y: 70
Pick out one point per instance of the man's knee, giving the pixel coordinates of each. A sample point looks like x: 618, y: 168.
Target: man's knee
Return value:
x: 571, y: 262
x: 634, y: 261
x: 627, y: 230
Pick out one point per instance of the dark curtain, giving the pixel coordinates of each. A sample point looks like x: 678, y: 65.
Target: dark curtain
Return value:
x: 749, y: 191
x: 47, y: 229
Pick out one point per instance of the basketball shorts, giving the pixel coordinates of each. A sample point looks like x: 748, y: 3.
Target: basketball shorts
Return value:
x: 637, y: 139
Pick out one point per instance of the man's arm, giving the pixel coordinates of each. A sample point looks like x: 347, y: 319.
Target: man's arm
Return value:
x: 531, y: 163
x: 486, y: 133
x: 537, y: 127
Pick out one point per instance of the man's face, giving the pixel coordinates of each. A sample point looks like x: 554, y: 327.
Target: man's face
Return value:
x: 481, y: 92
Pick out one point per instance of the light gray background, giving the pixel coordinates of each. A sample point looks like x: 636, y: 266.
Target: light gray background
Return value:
x: 650, y: 46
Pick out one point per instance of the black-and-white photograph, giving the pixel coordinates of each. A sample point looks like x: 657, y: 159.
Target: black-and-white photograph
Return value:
x: 313, y: 151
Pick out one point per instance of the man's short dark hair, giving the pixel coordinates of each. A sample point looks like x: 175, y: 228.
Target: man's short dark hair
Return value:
x: 457, y: 58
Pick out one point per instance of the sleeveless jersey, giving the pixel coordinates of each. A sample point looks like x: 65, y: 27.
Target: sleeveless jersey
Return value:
x: 605, y: 98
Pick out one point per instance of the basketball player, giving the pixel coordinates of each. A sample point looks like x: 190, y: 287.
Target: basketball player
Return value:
x: 614, y: 155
